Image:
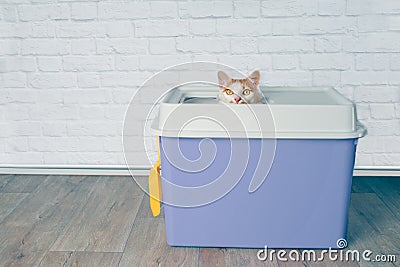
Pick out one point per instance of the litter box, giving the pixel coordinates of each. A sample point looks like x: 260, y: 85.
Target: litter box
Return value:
x: 250, y: 176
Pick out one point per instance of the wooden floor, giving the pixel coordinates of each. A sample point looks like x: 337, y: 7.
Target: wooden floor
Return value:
x: 105, y: 221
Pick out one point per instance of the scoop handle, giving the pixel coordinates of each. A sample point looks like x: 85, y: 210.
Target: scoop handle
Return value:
x: 155, y: 186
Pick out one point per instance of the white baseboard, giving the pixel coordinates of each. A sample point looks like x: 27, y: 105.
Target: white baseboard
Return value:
x: 143, y: 170
x: 114, y: 170
x: 377, y: 171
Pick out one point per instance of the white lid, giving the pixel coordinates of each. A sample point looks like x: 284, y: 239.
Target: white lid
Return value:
x: 301, y: 113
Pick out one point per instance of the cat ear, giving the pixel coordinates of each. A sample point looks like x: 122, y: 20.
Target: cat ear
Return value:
x: 255, y: 77
x: 223, y: 78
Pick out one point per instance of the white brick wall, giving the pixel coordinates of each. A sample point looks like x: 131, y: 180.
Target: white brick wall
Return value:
x: 68, y: 68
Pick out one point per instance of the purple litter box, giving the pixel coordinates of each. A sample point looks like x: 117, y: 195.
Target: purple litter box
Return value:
x: 251, y: 176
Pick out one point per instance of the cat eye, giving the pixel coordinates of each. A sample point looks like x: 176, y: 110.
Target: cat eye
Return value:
x: 246, y: 92
x: 228, y: 92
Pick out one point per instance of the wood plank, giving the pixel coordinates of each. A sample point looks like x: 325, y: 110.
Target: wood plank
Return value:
x: 104, y: 222
x: 361, y: 185
x: 9, y: 201
x: 56, y: 258
x: 31, y: 229
x: 129, y: 181
x: 77, y: 258
x: 377, y: 214
x: 370, y: 227
x: 232, y: 257
x: 4, y: 179
x: 290, y: 262
x: 180, y: 256
x: 247, y: 257
x: 212, y: 257
x: 388, y: 190
x: 16, y: 251
x: 45, y: 198
x: 147, y: 246
x: 144, y: 210
x: 339, y: 259
x: 28, y: 232
x: 23, y: 183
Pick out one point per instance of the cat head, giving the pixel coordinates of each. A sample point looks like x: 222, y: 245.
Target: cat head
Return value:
x: 239, y: 91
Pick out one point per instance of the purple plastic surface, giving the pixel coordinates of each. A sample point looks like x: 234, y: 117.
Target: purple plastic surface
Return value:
x: 303, y: 203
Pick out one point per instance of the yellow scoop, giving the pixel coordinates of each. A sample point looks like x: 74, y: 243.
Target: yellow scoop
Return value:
x: 155, y: 186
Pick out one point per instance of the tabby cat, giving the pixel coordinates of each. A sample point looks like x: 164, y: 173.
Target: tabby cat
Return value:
x: 240, y: 91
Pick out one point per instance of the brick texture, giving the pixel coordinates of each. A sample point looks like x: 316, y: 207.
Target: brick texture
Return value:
x: 68, y: 69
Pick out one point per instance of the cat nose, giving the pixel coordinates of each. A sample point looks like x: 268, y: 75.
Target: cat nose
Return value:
x: 237, y: 99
